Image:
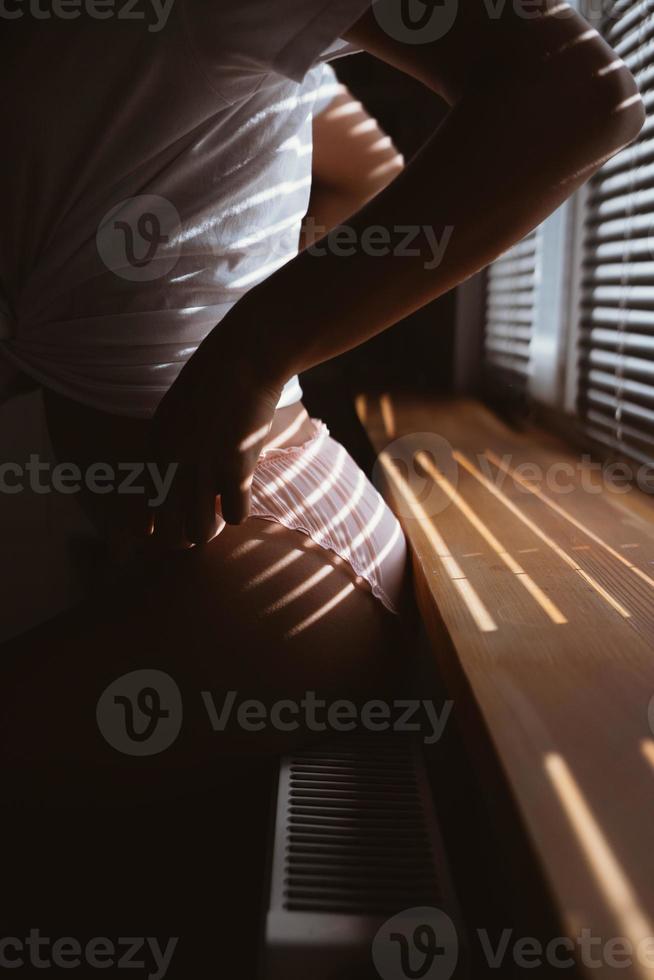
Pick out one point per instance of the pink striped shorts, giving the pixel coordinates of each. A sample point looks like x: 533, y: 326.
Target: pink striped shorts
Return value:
x: 318, y: 489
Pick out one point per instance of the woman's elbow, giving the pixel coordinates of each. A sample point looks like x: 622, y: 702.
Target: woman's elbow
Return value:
x: 609, y: 95
x: 627, y: 111
x: 385, y: 171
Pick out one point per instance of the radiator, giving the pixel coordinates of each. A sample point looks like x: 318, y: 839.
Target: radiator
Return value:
x: 358, y: 883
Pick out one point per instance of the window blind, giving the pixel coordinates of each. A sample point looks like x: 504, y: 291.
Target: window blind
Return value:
x: 512, y: 294
x: 616, y: 356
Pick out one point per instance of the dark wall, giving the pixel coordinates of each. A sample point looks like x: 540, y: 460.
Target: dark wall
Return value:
x: 418, y: 352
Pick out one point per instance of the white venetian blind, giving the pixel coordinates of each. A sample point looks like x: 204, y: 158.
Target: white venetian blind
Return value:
x: 616, y: 362
x: 512, y: 294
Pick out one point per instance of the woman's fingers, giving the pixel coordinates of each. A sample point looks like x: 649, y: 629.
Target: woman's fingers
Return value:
x: 235, y: 497
x: 169, y: 518
x: 201, y: 521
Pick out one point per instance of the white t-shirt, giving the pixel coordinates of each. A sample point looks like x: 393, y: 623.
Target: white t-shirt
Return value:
x: 154, y: 169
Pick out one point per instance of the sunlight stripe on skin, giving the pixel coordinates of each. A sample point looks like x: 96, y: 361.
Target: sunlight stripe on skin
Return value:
x: 320, y: 613
x: 573, y: 42
x: 300, y: 590
x: 246, y: 548
x: 611, y: 878
x: 385, y: 143
x: 501, y: 465
x: 347, y: 109
x: 546, y: 604
x: 273, y: 569
x: 612, y: 66
x: 541, y: 534
x: 482, y: 618
x: 396, y: 163
x: 632, y: 100
x: 253, y: 439
x: 278, y: 441
x: 367, y: 126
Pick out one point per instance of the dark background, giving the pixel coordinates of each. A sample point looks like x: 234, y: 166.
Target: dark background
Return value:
x: 418, y: 353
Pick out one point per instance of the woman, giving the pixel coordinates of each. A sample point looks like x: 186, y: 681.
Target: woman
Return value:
x: 194, y: 134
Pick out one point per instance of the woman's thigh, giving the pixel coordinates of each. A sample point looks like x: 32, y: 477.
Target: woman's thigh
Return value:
x: 260, y: 615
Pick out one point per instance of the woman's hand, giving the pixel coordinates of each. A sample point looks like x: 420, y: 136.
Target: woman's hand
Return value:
x: 212, y: 423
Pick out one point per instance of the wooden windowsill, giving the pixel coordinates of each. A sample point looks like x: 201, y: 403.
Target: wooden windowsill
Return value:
x: 547, y: 598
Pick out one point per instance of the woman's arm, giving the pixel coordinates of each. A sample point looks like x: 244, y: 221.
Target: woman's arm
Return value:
x: 538, y: 104
x: 539, y: 101
x: 353, y: 160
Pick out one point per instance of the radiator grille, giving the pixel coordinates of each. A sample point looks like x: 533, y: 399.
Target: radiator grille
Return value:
x: 356, y: 834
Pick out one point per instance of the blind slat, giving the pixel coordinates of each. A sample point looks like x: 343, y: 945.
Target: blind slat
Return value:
x: 618, y: 25
x: 626, y: 181
x: 620, y: 229
x: 622, y: 445
x: 622, y: 431
x: 629, y: 387
x: 611, y: 316
x: 638, y: 39
x: 624, y: 272
x: 510, y: 304
x: 622, y: 363
x: 627, y: 410
x: 629, y: 249
x: 619, y: 340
